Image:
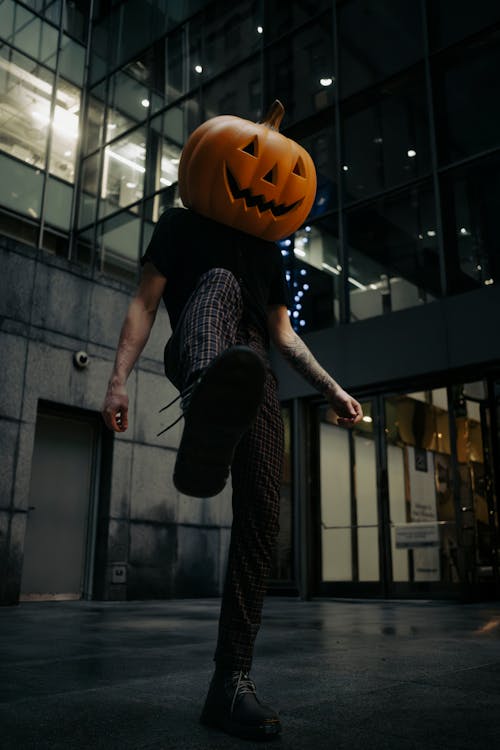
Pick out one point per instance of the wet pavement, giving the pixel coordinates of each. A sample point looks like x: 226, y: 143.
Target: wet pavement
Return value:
x: 342, y: 674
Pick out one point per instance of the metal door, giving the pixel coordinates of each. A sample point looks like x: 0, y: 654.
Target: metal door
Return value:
x: 58, y: 548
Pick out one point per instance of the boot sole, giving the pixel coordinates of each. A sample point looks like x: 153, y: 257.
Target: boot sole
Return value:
x: 222, y: 408
x: 264, y: 732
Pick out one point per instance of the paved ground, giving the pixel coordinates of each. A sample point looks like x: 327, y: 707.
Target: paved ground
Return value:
x: 342, y: 674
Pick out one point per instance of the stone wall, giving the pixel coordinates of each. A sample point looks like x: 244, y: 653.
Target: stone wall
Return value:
x: 170, y: 544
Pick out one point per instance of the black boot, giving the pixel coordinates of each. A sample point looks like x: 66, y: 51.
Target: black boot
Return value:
x: 232, y: 705
x: 218, y: 408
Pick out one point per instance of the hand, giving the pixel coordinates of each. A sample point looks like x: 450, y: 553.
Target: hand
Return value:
x: 347, y: 409
x: 115, y: 408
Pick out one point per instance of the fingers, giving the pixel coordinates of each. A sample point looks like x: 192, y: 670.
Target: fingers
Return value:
x: 116, y: 420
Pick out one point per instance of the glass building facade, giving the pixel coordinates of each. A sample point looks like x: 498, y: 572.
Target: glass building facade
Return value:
x: 397, y: 103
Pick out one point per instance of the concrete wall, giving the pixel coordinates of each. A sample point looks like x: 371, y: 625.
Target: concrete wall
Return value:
x: 172, y: 545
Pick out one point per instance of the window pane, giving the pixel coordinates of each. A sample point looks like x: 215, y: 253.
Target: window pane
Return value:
x: 280, y: 18
x: 386, y: 138
x: 25, y: 94
x: 229, y: 33
x: 470, y: 198
x: 29, y: 33
x: 377, y: 38
x: 166, y: 137
x: 393, y: 257
x: 312, y: 272
x: 128, y: 101
x: 123, y: 172
x: 467, y: 101
x: 20, y: 187
x: 58, y: 199
x: 299, y: 70
x: 93, y: 130
x: 65, y: 131
x: 237, y: 93
x: 89, y: 183
x: 72, y: 60
x: 321, y: 146
x: 451, y: 20
x: 335, y: 503
x: 420, y: 486
x: 118, y: 239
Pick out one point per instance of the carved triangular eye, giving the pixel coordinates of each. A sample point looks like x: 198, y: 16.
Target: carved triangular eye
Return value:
x: 299, y: 168
x: 251, y: 148
x: 271, y: 176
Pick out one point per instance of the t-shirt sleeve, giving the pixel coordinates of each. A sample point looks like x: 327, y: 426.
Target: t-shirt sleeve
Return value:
x: 278, y: 291
x: 161, y: 249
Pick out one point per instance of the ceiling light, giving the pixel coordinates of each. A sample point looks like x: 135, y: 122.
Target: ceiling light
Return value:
x: 300, y: 253
x: 367, y: 418
x: 488, y: 282
x: 412, y: 153
x: 67, y: 153
x: 164, y: 181
x: 354, y: 282
x: 431, y: 233
x: 112, y: 125
x: 345, y: 168
x: 330, y: 268
x: 259, y: 29
x: 378, y: 140
x: 123, y: 160
x: 145, y: 103
x: 327, y: 81
x: 131, y: 184
x: 198, y: 69
x: 463, y: 231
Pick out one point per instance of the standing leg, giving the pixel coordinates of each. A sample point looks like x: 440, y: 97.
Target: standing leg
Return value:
x: 232, y: 703
x: 256, y: 474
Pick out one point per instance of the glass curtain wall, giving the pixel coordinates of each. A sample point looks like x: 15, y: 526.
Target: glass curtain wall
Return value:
x: 42, y: 54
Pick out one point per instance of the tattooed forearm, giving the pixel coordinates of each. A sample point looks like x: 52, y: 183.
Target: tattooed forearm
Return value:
x: 300, y: 358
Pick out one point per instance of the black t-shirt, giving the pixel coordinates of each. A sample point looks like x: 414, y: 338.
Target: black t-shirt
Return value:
x: 185, y: 245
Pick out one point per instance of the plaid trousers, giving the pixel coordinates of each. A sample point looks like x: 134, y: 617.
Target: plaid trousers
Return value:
x: 210, y: 323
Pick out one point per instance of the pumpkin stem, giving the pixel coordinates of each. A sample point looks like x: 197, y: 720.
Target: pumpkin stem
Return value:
x: 275, y: 115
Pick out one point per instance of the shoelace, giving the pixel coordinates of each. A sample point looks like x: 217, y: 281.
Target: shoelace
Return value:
x: 185, y: 397
x: 243, y: 685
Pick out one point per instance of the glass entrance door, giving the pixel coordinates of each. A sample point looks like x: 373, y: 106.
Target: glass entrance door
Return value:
x: 408, y: 499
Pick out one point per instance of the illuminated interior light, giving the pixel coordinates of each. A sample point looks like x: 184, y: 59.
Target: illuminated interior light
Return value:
x: 373, y: 286
x: 431, y: 233
x: 65, y: 123
x: 440, y: 435
x: 111, y: 125
x: 145, y: 103
x: 164, y: 181
x: 124, y: 160
x: 479, y: 268
x: 131, y: 184
x: 259, y: 30
x: 367, y: 418
x: 67, y: 153
x: 420, y: 236
x: 412, y: 153
x: 464, y: 231
x: 327, y: 81
x: 299, y: 252
x: 198, y: 68
x: 356, y: 283
x: 378, y: 140
x: 330, y: 268
x: 345, y: 168
x: 488, y: 282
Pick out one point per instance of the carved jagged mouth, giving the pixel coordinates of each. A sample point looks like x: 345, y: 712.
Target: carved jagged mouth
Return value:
x: 258, y: 200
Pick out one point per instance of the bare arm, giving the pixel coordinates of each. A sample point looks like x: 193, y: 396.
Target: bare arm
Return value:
x: 297, y: 354
x: 134, y: 335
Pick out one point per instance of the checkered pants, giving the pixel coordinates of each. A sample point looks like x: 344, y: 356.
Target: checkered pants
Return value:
x: 211, y: 322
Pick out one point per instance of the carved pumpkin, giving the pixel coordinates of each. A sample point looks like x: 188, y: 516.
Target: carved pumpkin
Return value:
x: 248, y: 175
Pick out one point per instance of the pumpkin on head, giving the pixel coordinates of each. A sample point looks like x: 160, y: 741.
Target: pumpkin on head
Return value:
x: 248, y: 175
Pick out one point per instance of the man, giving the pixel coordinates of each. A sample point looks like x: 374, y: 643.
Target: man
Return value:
x: 226, y: 296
